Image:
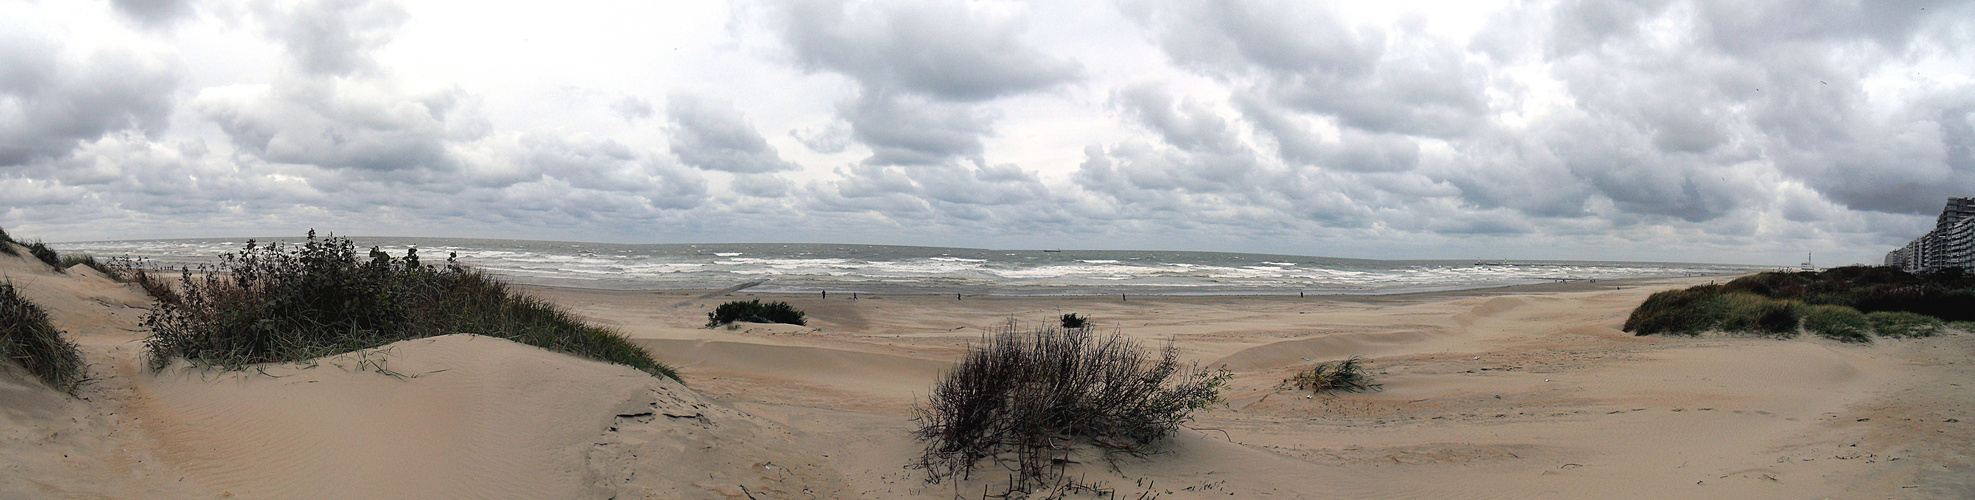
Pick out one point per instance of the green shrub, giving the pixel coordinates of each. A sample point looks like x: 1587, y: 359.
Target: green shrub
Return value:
x: 1751, y: 313
x: 30, y: 342
x: 1024, y: 401
x: 1903, y: 324
x: 277, y: 303
x: 5, y: 247
x: 1346, y: 375
x: 1072, y: 321
x: 1680, y: 312
x: 754, y: 311
x: 1838, y: 323
x: 1964, y: 326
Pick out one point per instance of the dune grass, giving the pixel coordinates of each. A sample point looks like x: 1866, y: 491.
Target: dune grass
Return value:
x: 1023, y: 400
x: 111, y: 271
x: 29, y: 342
x: 1900, y: 324
x: 1775, y: 303
x: 1346, y: 375
x: 36, y: 249
x: 755, y: 311
x: 1840, y: 323
x: 279, y: 303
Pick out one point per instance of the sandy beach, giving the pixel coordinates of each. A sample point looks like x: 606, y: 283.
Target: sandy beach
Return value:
x: 1515, y: 392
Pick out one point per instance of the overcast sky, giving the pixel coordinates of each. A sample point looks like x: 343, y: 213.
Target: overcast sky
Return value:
x: 1733, y: 131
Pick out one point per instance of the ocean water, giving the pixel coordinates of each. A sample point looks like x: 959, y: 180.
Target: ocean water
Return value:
x: 873, y: 269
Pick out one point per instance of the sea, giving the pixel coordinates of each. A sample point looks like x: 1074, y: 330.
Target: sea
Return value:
x: 878, y: 269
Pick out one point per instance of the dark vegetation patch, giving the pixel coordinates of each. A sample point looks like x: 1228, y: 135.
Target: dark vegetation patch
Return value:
x: 1347, y: 375
x: 1023, y: 401
x: 1774, y: 303
x: 279, y: 303
x: 46, y: 255
x: 28, y: 341
x: 755, y: 311
x: 1072, y: 321
x: 6, y: 241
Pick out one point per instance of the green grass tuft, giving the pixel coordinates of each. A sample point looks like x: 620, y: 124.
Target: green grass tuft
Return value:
x: 755, y: 311
x: 1839, y: 323
x: 29, y: 341
x: 1346, y: 375
x: 5, y: 243
x: 276, y: 303
x: 1756, y: 314
x: 1904, y: 324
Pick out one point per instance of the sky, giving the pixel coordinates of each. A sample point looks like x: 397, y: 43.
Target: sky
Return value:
x: 1733, y: 132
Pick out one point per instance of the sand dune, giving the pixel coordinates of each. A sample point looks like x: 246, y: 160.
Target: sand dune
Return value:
x: 1508, y: 393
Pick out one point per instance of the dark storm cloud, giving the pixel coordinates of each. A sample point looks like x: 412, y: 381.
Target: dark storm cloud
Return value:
x: 711, y: 134
x: 921, y: 68
x: 51, y: 99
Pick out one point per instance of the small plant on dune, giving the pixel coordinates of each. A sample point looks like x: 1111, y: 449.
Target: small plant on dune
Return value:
x: 1839, y: 323
x: 1024, y: 400
x: 1900, y: 324
x: 277, y: 303
x: 1072, y: 321
x: 6, y: 243
x: 30, y: 342
x: 755, y: 311
x: 1347, y: 375
x: 111, y: 271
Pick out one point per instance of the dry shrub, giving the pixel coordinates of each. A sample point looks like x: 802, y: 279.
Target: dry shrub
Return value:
x: 1346, y: 375
x: 1024, y: 400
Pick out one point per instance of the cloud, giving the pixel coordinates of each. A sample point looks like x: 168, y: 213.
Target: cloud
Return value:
x: 922, y: 69
x: 154, y: 13
x: 914, y: 130
x: 633, y: 108
x: 1302, y: 56
x: 713, y: 135
x: 333, y: 37
x: 948, y: 50
x: 830, y: 139
x: 53, y: 98
x: 341, y: 123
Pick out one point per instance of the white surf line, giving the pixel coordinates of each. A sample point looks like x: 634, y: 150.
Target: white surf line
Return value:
x: 723, y: 291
